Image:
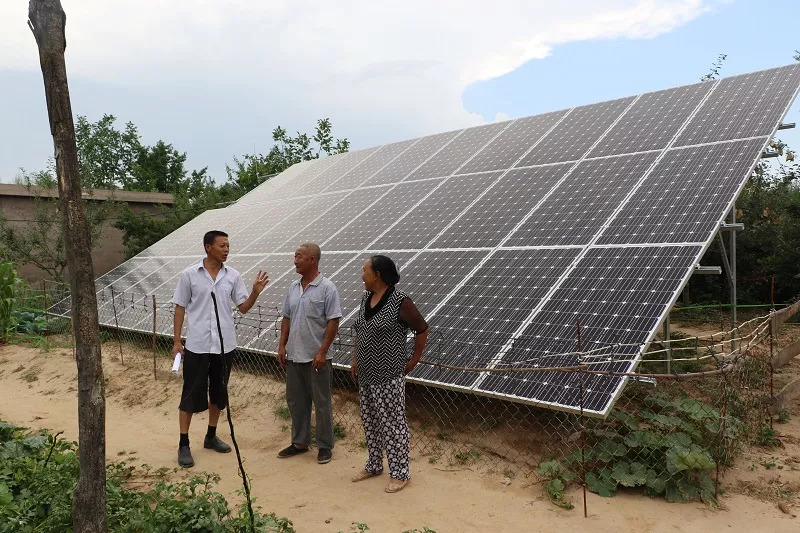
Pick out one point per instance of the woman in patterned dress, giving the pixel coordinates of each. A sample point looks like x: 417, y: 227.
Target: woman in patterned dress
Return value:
x: 380, y: 364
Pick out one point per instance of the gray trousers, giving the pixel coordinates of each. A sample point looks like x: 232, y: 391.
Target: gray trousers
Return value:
x: 304, y: 385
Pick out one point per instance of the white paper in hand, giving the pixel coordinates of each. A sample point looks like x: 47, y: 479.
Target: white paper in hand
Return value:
x: 176, y: 364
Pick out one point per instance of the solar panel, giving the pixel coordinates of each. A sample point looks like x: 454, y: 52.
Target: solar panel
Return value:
x: 506, y: 233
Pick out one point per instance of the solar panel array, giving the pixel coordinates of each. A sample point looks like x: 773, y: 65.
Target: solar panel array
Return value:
x: 506, y: 234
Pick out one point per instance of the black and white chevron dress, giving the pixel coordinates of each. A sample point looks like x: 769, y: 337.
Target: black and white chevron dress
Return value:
x: 381, y: 348
x: 381, y: 361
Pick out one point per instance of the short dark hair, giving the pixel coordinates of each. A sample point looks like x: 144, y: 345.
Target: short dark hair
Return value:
x: 209, y: 237
x: 384, y: 266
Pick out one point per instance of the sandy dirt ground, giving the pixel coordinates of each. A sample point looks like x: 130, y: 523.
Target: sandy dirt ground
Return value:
x: 39, y: 390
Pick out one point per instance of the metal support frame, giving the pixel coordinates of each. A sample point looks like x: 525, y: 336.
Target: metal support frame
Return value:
x: 732, y: 264
x: 669, y: 345
x: 729, y: 263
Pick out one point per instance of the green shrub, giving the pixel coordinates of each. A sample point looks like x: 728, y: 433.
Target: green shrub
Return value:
x: 669, y: 447
x: 8, y: 280
x: 38, y: 476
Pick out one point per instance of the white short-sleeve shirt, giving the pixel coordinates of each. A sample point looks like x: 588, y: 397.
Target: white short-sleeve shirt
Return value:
x: 193, y: 292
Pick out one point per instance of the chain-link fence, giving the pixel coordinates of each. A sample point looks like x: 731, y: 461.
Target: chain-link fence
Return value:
x: 692, y: 405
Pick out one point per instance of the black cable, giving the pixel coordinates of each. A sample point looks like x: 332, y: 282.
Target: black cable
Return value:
x: 242, y: 473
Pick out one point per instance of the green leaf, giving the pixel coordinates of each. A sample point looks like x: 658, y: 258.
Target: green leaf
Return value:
x: 629, y: 474
x: 680, y: 458
x: 643, y: 439
x: 602, y: 484
x: 655, y: 482
x: 672, y: 494
x: 677, y: 439
x: 606, y: 450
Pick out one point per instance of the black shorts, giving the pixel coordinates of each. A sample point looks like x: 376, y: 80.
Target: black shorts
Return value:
x: 203, y: 381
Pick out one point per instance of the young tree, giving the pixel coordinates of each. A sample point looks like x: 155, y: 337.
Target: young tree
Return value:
x: 38, y: 239
x: 47, y: 21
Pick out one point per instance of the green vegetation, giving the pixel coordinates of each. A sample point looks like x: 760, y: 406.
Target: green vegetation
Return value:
x: 669, y: 447
x: 38, y: 474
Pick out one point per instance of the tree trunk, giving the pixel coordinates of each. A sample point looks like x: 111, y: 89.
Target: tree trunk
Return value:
x: 47, y: 20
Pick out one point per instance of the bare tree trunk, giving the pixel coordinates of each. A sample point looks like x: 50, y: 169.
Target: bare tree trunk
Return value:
x: 47, y: 21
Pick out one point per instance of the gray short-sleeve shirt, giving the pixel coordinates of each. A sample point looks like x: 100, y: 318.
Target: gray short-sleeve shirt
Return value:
x: 309, y: 312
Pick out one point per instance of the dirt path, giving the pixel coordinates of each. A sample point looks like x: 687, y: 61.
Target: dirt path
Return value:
x: 39, y: 392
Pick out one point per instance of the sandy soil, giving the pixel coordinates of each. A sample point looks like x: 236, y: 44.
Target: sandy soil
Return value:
x: 40, y: 392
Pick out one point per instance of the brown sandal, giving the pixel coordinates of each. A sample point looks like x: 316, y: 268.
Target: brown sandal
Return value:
x: 361, y: 476
x: 395, y: 485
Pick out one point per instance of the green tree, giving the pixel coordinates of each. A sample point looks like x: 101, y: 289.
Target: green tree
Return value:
x: 251, y: 170
x: 196, y: 192
x: 39, y: 239
x: 106, y: 156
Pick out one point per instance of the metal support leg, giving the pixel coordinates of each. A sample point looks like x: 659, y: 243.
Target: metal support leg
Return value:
x: 668, y: 344
x: 732, y: 263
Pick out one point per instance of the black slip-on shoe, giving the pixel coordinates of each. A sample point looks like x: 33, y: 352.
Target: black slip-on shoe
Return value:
x: 291, y: 451
x: 324, y: 456
x: 185, y: 457
x: 214, y: 443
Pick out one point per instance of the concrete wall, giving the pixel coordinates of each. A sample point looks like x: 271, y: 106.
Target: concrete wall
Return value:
x: 17, y: 204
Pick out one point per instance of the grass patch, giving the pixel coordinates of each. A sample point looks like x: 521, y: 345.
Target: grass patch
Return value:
x: 339, y: 432
x: 282, y: 411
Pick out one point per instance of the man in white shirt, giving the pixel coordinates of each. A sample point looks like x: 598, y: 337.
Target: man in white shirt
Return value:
x: 205, y: 368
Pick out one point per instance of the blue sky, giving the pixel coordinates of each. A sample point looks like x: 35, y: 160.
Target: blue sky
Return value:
x: 748, y: 32
x: 214, y: 79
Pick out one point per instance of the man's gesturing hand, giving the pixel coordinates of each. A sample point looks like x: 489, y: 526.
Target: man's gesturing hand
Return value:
x: 262, y: 278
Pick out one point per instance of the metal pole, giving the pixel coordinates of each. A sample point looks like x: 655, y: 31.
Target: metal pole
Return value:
x: 116, y: 324
x: 732, y: 262
x: 772, y: 333
x: 583, y: 431
x: 44, y: 304
x: 669, y: 344
x: 155, y: 376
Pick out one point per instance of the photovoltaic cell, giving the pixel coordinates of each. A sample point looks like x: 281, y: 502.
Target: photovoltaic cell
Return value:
x: 431, y: 216
x: 432, y: 275
x: 652, y: 121
x: 619, y: 296
x: 574, y: 135
x: 512, y: 143
x: 292, y: 176
x: 581, y: 204
x: 481, y: 315
x: 364, y: 171
x: 458, y: 151
x: 399, y: 169
x: 501, y: 208
x: 685, y: 196
x: 743, y: 106
x: 376, y: 219
x: 333, y: 220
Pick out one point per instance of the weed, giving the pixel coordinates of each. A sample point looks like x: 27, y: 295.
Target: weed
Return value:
x: 468, y: 456
x: 770, y: 463
x: 784, y: 416
x: 767, y: 437
x: 282, y: 411
x: 339, y: 431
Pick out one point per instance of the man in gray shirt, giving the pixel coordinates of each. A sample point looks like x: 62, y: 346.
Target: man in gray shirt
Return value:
x: 311, y: 313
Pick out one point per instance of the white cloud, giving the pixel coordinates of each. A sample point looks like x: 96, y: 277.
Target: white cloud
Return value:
x: 400, y: 66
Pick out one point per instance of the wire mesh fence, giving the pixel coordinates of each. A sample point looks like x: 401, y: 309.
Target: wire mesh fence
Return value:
x: 691, y: 406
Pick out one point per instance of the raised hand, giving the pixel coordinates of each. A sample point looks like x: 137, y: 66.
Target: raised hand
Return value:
x: 262, y: 278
